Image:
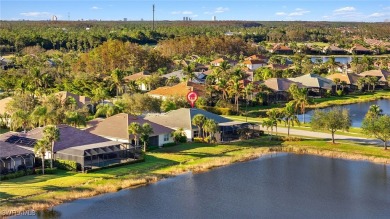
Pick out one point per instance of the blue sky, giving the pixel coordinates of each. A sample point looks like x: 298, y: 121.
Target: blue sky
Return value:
x: 260, y: 10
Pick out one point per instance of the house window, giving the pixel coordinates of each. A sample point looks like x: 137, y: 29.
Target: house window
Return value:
x: 166, y: 137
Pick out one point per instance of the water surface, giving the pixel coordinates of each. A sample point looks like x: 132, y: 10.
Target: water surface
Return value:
x: 281, y: 186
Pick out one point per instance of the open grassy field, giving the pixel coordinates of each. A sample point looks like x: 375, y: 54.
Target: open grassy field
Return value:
x: 43, y: 191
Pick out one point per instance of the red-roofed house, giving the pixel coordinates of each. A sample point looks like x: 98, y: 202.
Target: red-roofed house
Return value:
x: 178, y: 90
x: 138, y: 77
x: 282, y: 49
x: 254, y: 64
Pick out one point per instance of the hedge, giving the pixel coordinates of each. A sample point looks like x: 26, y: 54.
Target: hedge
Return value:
x: 47, y: 171
x: 218, y: 110
x: 16, y: 174
x: 66, y: 164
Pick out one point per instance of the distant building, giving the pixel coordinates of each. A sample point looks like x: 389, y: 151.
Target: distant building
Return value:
x: 124, y: 19
x: 214, y: 18
x: 54, y: 18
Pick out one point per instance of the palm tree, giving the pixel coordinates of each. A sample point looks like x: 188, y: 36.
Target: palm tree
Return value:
x: 41, y: 147
x: 373, y: 81
x: 275, y: 116
x: 223, y: 87
x: 75, y: 118
x: 39, y: 115
x: 337, y: 82
x: 199, y: 120
x: 172, y: 80
x: 375, y: 111
x: 188, y: 71
x: 361, y: 82
x: 301, y: 100
x: 52, y: 134
x: 289, y: 116
x: 224, y: 66
x: 20, y: 119
x: 234, y: 90
x: 268, y: 124
x: 211, y: 127
x: 146, y: 131
x: 135, y: 129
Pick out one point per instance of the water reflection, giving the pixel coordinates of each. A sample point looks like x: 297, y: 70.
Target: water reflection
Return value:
x: 357, y: 111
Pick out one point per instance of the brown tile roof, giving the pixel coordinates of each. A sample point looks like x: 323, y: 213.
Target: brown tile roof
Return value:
x: 277, y: 66
x: 136, y: 76
x: 279, y: 47
x: 254, y: 61
x: 335, y: 48
x: 260, y: 57
x: 180, y: 90
x: 117, y: 126
x: 80, y: 100
x: 349, y: 78
x: 360, y: 48
x: 69, y: 137
x: 384, y: 75
x: 281, y: 84
x: 3, y: 104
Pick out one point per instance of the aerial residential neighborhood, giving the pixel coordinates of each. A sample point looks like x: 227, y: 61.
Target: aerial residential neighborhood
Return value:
x: 195, y: 109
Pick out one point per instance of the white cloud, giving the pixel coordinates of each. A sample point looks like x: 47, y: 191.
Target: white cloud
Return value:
x: 298, y: 12
x: 344, y: 10
x: 376, y: 14
x: 221, y: 10
x: 35, y: 14
x: 182, y: 12
x: 95, y: 8
x: 280, y: 13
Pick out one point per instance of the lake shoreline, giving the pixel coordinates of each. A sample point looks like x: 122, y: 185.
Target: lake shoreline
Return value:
x: 245, y: 154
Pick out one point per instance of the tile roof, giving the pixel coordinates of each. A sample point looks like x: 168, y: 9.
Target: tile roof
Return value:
x: 279, y: 47
x: 8, y: 150
x: 281, y: 84
x: 69, y: 137
x: 180, y: 90
x: 349, y: 78
x: 80, y: 100
x: 335, y: 48
x: 384, y: 75
x: 254, y: 61
x: 314, y: 80
x: 117, y: 126
x: 360, y: 48
x: 3, y: 104
x: 136, y: 76
x: 259, y: 57
x: 182, y: 118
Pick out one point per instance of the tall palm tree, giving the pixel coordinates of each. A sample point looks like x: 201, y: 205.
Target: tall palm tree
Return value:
x: 337, y: 82
x: 223, y: 87
x: 289, y: 116
x: 211, y: 127
x: 40, y: 148
x: 52, y: 134
x: 117, y: 80
x: 373, y: 81
x: 268, y: 124
x: 301, y: 100
x: 146, y: 131
x: 275, y: 116
x: 199, y: 120
x: 172, y: 80
x: 224, y: 66
x: 234, y: 90
x: 135, y: 129
x: 361, y: 82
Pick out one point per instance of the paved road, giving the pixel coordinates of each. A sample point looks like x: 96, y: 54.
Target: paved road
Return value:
x: 313, y: 134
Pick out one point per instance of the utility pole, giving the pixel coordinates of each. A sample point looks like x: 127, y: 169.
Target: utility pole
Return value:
x: 153, y: 18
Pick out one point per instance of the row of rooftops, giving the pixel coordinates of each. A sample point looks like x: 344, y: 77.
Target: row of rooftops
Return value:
x: 103, y: 132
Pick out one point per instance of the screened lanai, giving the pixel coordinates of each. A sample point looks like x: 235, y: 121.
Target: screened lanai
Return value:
x: 99, y: 154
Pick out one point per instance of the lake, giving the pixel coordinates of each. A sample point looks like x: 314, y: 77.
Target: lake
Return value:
x: 341, y: 59
x: 276, y: 186
x: 357, y: 111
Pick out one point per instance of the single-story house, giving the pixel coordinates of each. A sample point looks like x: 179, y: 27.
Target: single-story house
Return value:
x: 281, y: 49
x: 116, y: 128
x: 199, y: 77
x: 351, y: 79
x: 280, y: 87
x: 382, y: 75
x: 182, y: 118
x: 97, y: 151
x: 316, y: 84
x: 178, y: 90
x: 334, y: 50
x: 81, y: 101
x: 218, y: 62
x: 138, y: 77
x: 257, y: 57
x: 360, y: 50
x: 12, y: 157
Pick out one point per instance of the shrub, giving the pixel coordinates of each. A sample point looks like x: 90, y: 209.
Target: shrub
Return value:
x: 198, y: 139
x: 218, y: 110
x: 66, y: 165
x: 16, y: 174
x: 47, y: 171
x: 339, y: 93
x: 169, y: 144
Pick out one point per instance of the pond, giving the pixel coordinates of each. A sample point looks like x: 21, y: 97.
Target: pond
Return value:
x: 341, y: 59
x: 357, y: 111
x: 276, y: 186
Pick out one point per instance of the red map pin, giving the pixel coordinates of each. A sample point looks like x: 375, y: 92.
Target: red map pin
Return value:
x: 192, y: 96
